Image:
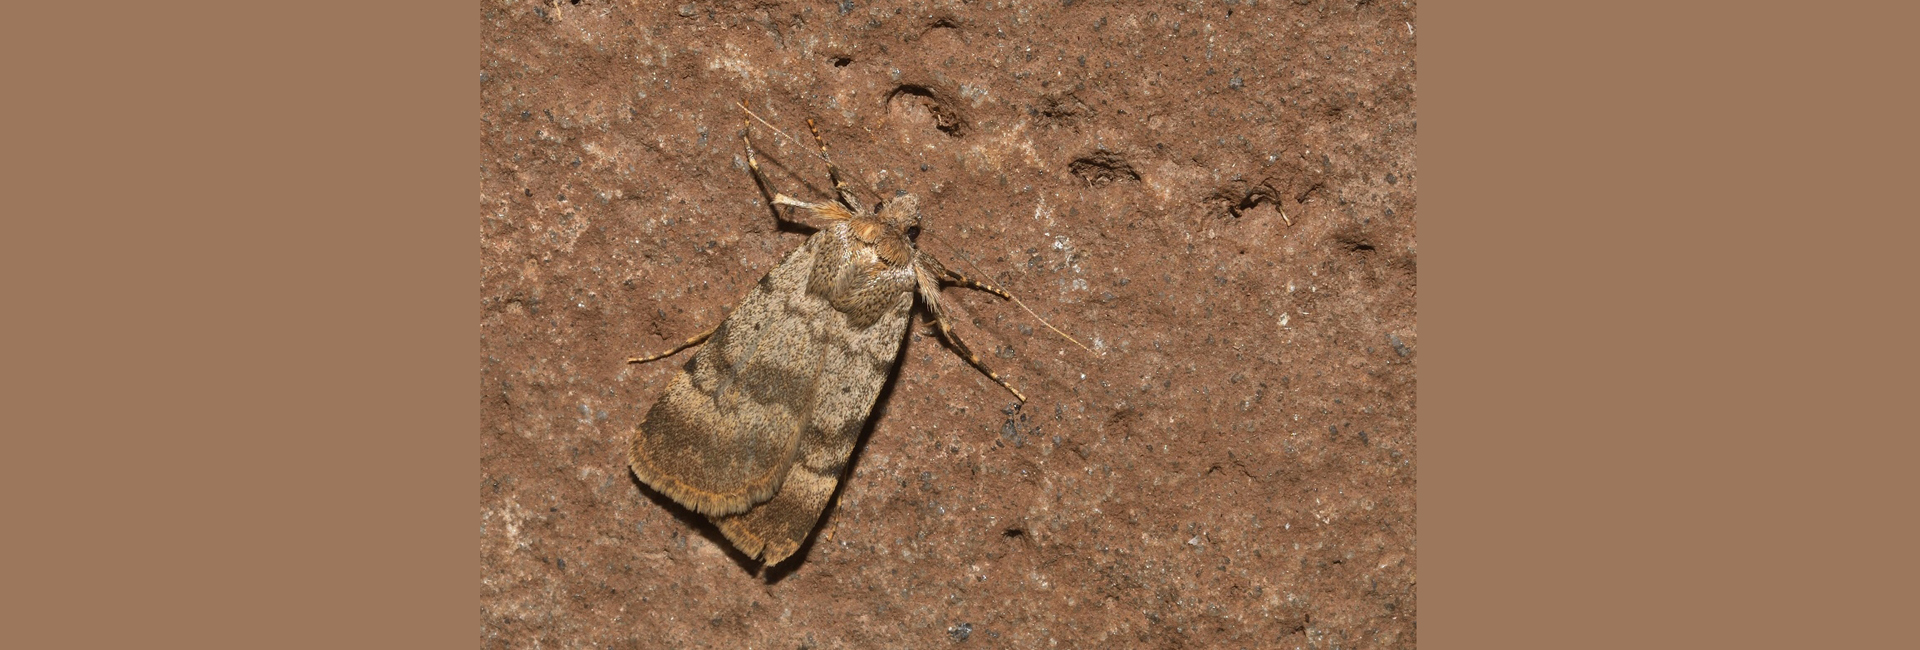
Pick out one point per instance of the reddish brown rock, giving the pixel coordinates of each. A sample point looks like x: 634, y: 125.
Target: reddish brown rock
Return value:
x: 1233, y: 467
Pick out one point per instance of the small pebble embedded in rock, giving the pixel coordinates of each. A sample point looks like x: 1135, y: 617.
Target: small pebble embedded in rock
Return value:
x: 1399, y: 346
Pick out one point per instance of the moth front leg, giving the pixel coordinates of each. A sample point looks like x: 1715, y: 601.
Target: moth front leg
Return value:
x: 823, y: 211
x: 833, y: 172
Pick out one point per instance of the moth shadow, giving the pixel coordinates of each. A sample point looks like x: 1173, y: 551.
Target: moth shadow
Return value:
x: 697, y: 522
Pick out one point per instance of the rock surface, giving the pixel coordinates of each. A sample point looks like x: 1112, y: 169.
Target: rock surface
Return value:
x: 1217, y: 198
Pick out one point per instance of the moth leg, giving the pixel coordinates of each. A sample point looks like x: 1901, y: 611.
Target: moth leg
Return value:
x: 932, y: 301
x: 825, y: 211
x: 833, y: 172
x: 941, y: 271
x: 695, y: 340
x: 760, y: 178
x: 962, y: 279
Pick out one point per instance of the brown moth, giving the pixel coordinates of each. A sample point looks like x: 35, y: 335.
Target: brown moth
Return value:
x: 756, y: 429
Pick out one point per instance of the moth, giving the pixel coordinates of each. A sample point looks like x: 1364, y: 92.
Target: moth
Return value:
x: 756, y: 429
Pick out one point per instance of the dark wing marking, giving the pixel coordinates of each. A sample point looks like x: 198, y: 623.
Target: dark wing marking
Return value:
x: 722, y: 436
x: 860, y: 360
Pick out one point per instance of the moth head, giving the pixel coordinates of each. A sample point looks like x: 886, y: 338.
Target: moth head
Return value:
x: 903, y: 214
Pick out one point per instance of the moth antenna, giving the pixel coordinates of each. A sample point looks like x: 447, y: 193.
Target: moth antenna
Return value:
x: 1016, y: 300
x: 832, y: 171
x: 775, y: 129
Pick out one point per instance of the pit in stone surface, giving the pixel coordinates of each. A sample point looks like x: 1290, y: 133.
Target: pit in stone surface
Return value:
x: 1103, y: 167
x: 909, y: 99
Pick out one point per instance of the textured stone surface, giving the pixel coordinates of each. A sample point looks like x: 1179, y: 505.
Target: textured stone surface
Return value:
x: 1234, y: 465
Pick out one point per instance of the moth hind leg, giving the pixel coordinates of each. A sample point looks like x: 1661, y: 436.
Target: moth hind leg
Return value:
x: 690, y: 342
x: 962, y: 279
x: 936, y: 269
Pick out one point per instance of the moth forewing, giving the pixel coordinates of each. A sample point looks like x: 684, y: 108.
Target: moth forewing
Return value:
x: 721, y: 437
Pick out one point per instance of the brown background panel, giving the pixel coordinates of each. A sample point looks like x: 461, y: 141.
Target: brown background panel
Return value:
x: 1664, y: 344
x: 240, y: 381
x: 233, y: 423
x: 1220, y: 199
